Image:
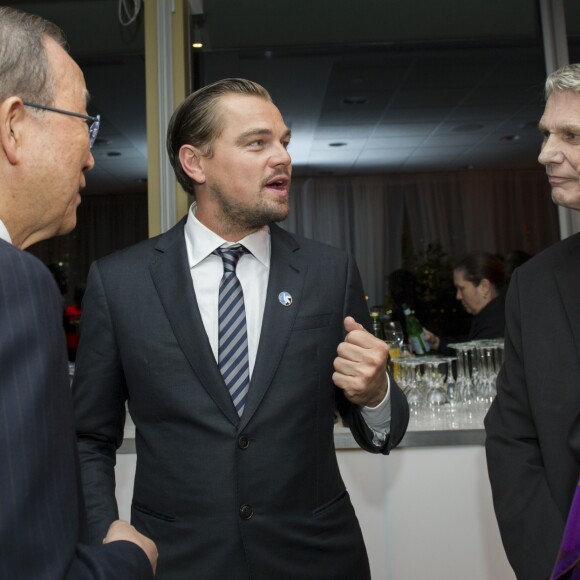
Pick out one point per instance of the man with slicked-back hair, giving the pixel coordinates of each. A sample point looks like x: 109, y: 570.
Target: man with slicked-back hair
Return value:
x: 231, y: 340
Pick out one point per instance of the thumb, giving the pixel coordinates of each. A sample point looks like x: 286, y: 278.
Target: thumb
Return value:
x: 351, y: 324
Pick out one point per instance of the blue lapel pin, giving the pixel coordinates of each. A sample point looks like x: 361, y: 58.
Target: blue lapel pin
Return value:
x: 284, y: 298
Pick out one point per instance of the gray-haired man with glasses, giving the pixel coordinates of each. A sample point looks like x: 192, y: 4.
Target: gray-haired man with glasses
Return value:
x: 43, y: 159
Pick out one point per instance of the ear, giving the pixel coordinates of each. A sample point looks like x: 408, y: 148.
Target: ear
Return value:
x: 190, y: 160
x: 485, y: 287
x: 12, y: 116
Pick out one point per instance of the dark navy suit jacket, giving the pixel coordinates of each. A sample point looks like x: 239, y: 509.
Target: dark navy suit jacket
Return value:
x: 224, y: 497
x: 41, y: 514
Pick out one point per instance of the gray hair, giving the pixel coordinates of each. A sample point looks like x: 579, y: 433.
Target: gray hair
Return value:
x: 566, y: 78
x: 24, y: 68
x: 198, y: 121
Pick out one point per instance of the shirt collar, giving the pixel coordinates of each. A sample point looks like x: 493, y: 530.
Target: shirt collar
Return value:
x: 201, y: 241
x: 4, y: 235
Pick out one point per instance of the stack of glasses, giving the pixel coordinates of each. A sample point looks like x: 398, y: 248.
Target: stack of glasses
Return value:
x: 450, y: 392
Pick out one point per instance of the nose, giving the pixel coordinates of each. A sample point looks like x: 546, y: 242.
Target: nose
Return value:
x: 90, y: 162
x: 458, y: 294
x: 281, y: 156
x: 551, y: 151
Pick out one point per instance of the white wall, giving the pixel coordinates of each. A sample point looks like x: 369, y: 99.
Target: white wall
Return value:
x: 426, y: 512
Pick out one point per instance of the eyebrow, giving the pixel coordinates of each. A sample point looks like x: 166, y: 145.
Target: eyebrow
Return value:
x: 566, y: 128
x: 257, y: 132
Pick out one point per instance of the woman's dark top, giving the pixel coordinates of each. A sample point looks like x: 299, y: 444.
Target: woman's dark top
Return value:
x: 490, y: 322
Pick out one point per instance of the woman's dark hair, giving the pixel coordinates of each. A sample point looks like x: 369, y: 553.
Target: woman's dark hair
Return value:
x: 476, y: 267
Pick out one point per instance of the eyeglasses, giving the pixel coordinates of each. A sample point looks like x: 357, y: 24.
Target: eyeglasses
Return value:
x: 92, y: 122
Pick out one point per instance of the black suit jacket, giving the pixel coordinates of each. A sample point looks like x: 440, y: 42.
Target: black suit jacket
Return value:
x: 259, y: 497
x: 532, y: 452
x: 41, y: 517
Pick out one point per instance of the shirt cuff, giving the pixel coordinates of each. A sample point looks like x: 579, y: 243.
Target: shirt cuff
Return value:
x: 378, y: 418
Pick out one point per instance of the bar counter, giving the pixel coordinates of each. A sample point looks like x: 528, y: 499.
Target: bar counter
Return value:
x: 425, y: 510
x: 416, y: 436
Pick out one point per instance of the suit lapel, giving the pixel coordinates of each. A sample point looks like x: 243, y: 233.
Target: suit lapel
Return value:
x: 287, y: 273
x: 170, y: 272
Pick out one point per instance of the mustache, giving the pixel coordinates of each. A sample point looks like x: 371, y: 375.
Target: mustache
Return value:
x: 279, y: 173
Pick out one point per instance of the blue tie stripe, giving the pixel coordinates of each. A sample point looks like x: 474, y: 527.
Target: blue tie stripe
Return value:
x: 230, y: 324
x: 231, y: 313
x: 233, y: 337
x: 230, y: 288
x: 237, y: 376
x: 233, y: 355
x: 232, y: 349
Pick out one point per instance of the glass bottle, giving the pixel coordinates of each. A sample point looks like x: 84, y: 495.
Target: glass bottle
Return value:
x: 377, y: 325
x: 415, y: 333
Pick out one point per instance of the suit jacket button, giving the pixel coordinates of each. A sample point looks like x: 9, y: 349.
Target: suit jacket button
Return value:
x: 243, y: 442
x: 246, y: 511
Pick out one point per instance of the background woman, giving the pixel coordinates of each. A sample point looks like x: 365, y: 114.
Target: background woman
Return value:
x: 479, y: 281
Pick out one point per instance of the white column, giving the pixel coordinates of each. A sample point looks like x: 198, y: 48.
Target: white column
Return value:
x: 165, y: 8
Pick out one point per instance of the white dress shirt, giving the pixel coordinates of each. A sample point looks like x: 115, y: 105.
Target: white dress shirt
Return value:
x: 4, y: 235
x: 207, y: 270
x: 252, y: 271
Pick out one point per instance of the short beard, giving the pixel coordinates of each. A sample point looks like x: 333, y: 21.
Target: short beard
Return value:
x: 237, y: 217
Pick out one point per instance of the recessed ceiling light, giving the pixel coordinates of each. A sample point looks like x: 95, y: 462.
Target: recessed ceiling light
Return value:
x: 354, y: 101
x: 337, y: 144
x: 113, y: 153
x: 506, y: 138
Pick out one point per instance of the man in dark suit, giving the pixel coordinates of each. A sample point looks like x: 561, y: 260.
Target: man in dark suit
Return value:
x: 43, y: 156
x: 533, y: 449
x: 244, y: 484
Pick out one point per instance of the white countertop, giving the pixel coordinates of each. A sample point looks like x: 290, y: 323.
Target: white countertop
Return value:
x: 443, y: 428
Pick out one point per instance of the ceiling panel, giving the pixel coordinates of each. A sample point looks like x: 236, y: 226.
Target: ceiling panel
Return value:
x: 409, y: 86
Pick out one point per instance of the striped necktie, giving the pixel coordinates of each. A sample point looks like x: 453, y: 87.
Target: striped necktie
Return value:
x: 233, y: 335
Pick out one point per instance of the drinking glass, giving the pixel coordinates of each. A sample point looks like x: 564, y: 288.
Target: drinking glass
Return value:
x: 408, y: 382
x: 450, y: 382
x: 394, y: 337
